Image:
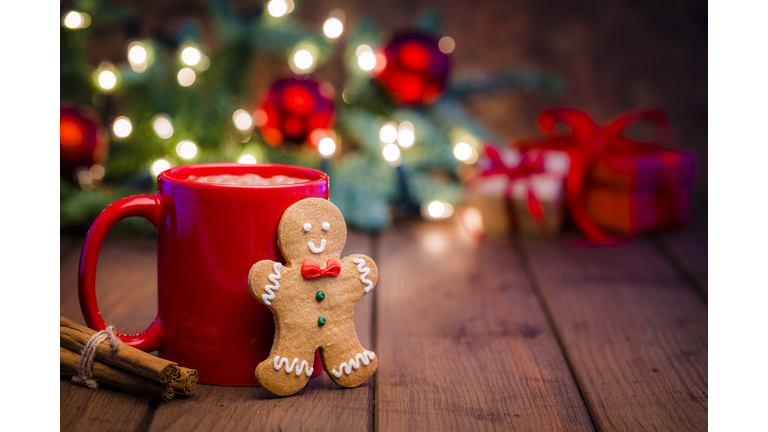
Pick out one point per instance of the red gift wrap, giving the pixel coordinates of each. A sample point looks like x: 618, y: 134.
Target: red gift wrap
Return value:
x: 619, y: 187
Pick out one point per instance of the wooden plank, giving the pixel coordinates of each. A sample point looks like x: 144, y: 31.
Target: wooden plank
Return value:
x: 634, y: 332
x: 126, y: 282
x: 689, y: 249
x: 463, y: 341
x: 321, y: 405
x: 101, y: 409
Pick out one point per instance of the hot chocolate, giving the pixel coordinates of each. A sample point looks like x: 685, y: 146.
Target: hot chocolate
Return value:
x: 246, y: 179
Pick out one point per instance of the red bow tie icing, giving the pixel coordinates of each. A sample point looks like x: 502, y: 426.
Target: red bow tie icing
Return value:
x: 310, y: 269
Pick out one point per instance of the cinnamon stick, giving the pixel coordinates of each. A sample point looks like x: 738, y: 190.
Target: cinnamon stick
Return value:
x: 186, y: 382
x: 74, y: 336
x: 104, y: 373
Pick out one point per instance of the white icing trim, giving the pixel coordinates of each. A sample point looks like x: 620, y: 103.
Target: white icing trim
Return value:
x: 354, y: 363
x: 365, y: 271
x: 326, y: 226
x: 316, y: 249
x: 273, y: 278
x: 307, y: 227
x: 279, y: 362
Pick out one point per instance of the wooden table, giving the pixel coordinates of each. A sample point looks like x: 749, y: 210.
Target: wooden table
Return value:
x: 508, y: 334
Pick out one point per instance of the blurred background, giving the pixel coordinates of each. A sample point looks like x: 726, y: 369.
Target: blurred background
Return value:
x: 395, y: 100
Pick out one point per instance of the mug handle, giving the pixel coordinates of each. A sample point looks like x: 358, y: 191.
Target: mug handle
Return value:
x: 149, y: 207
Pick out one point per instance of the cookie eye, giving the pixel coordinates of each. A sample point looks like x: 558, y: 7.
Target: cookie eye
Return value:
x: 326, y: 226
x: 307, y: 227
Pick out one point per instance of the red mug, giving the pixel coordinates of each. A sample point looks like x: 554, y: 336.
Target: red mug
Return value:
x: 209, y: 236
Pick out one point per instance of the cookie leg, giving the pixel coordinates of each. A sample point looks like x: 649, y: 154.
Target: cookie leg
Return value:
x: 288, y: 367
x: 347, y: 362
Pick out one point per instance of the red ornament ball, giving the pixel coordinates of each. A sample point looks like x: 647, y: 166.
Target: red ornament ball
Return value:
x: 293, y: 109
x: 83, y: 141
x: 415, y: 70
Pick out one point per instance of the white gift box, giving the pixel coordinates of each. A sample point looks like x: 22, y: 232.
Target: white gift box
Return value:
x: 491, y: 195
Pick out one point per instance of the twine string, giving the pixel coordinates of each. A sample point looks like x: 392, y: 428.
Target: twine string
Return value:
x: 83, y: 376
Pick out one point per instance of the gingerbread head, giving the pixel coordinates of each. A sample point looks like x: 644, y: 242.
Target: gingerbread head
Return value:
x: 312, y: 298
x: 311, y: 230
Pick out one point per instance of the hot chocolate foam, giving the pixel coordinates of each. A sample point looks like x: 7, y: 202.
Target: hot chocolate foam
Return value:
x: 246, y: 179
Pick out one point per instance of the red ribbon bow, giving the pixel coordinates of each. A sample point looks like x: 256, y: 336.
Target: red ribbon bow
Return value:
x: 311, y: 269
x: 527, y: 166
x: 586, y: 144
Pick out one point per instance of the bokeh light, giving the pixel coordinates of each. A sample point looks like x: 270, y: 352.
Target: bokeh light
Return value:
x: 190, y: 56
x: 247, y: 159
x: 365, y: 57
x: 277, y: 8
x: 186, y: 149
x: 391, y: 152
x: 97, y: 172
x: 366, y: 61
x: 363, y: 49
x: 349, y: 95
x: 405, y: 135
x: 338, y: 14
x: 333, y: 28
x: 327, y: 90
x: 381, y: 63
x: 326, y: 147
x: 462, y: 151
x: 317, y: 135
x: 122, y: 127
x: 186, y: 77
x: 107, y: 79
x: 436, y: 242
x: 138, y: 57
x: 446, y: 44
x: 437, y: 210
x: 303, y: 59
x: 242, y: 119
x: 259, y: 118
x: 388, y: 133
x: 136, y: 53
x: 472, y: 220
x: 203, y: 64
x: 84, y: 176
x: 159, y: 166
x: 405, y: 138
x: 162, y: 126
x: 76, y: 20
x: 73, y: 20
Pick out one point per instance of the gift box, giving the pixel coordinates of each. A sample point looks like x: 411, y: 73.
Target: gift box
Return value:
x: 522, y: 191
x: 634, y: 193
x: 619, y: 187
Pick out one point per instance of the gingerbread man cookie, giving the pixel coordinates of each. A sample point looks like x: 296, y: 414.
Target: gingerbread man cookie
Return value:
x: 312, y: 298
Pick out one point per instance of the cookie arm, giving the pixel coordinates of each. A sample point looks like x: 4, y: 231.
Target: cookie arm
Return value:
x: 264, y: 280
x: 363, y: 270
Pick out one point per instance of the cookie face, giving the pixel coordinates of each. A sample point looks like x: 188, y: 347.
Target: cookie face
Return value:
x: 313, y: 231
x: 312, y: 298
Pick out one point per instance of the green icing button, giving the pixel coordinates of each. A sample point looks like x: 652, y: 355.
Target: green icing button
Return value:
x: 320, y: 296
x: 321, y: 321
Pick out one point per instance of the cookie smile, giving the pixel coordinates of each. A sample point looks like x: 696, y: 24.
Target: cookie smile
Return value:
x: 317, y: 250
